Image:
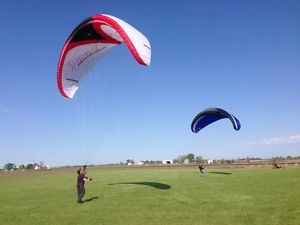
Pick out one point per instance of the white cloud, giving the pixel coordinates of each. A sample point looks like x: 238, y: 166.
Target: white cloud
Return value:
x: 277, y: 140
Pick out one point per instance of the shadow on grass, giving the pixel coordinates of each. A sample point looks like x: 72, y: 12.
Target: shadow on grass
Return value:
x: 222, y: 173
x: 90, y: 199
x: 151, y: 184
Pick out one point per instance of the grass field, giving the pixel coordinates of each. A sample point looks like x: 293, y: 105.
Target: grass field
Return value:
x: 152, y: 196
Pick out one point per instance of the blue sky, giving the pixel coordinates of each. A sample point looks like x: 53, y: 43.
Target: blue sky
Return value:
x: 242, y: 56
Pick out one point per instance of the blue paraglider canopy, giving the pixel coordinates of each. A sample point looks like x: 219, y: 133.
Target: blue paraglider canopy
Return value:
x: 212, y: 115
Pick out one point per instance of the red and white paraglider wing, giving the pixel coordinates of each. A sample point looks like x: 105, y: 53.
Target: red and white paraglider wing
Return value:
x: 137, y: 43
x: 90, y: 41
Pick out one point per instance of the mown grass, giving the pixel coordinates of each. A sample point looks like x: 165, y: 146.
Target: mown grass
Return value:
x: 153, y: 196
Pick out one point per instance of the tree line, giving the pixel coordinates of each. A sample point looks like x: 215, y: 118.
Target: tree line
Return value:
x: 30, y: 166
x: 187, y: 158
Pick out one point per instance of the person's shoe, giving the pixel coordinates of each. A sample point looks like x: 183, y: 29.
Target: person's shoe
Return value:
x: 80, y: 202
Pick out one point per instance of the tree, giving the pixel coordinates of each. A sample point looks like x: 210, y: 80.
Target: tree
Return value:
x: 199, y: 159
x: 41, y: 164
x: 190, y: 157
x: 180, y: 159
x: 129, y: 161
x: 30, y: 166
x: 22, y: 167
x: 9, y: 166
x: 289, y: 157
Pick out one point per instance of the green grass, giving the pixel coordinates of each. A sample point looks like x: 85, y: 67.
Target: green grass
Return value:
x: 153, y: 196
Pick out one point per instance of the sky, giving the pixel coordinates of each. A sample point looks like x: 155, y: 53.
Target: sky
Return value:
x: 242, y: 56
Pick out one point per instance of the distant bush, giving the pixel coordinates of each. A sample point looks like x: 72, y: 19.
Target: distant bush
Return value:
x: 30, y: 166
x: 9, y: 166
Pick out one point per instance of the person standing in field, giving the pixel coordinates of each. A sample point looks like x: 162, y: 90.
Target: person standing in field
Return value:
x: 81, y: 178
x: 201, y: 168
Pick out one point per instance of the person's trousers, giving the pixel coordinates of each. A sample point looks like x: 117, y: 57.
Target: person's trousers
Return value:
x: 80, y: 192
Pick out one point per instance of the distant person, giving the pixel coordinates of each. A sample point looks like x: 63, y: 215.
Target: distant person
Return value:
x: 81, y: 178
x: 201, y: 168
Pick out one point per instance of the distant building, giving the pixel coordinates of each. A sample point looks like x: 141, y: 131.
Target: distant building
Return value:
x: 140, y: 163
x: 186, y: 161
x: 36, y: 167
x: 210, y: 161
x: 47, y: 167
x: 167, y: 162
